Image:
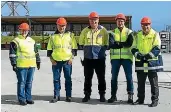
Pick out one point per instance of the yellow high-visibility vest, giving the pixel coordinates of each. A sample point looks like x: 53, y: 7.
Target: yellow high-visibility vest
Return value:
x: 123, y: 53
x: 25, y: 51
x: 62, y: 45
x: 145, y: 43
x: 96, y: 38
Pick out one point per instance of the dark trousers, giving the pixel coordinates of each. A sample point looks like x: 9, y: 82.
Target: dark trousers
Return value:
x: 99, y: 66
x: 24, y: 85
x: 127, y: 65
x: 153, y: 78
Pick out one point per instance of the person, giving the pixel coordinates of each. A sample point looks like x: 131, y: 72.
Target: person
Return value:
x: 146, y: 49
x: 61, y: 50
x: 120, y: 41
x: 24, y: 57
x: 94, y: 40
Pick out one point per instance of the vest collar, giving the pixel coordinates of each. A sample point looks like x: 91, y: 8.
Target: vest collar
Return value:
x: 124, y: 29
x: 22, y: 37
x: 151, y: 32
x: 99, y: 27
x: 57, y: 32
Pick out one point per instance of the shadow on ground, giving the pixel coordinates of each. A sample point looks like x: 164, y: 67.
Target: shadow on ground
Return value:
x: 12, y: 100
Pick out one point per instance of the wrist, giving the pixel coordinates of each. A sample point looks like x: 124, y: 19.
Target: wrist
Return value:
x: 51, y: 59
x: 14, y: 65
x: 72, y: 57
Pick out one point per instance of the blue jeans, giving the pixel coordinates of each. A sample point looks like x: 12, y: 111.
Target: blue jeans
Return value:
x: 24, y: 85
x: 127, y: 66
x: 67, y: 68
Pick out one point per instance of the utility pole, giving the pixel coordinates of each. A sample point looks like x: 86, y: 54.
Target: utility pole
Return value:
x: 12, y: 5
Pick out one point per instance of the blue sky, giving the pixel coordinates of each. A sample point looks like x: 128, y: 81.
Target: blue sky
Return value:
x: 159, y: 12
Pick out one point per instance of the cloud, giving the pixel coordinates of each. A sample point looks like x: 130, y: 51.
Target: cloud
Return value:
x: 62, y: 5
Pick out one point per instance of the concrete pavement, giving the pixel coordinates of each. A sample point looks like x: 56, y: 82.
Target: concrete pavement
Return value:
x: 43, y: 90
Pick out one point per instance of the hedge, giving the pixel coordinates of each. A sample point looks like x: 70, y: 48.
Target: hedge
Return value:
x: 38, y: 39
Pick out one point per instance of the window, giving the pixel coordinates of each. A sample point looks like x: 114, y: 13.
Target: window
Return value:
x: 50, y: 27
x: 9, y: 28
x: 68, y: 28
x: 37, y: 27
x: 76, y: 29
x: 163, y: 46
x: 84, y: 25
x: 113, y: 26
x: 107, y: 26
x: 163, y: 35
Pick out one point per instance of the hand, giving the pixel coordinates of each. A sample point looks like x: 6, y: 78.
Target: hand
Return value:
x: 148, y: 56
x: 82, y: 62
x: 119, y: 45
x: 53, y: 61
x: 14, y: 68
x: 70, y: 62
x: 38, y: 65
x: 145, y: 61
x: 122, y: 44
x: 140, y: 56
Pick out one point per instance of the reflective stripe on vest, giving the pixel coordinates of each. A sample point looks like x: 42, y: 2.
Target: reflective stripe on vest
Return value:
x: 25, y: 56
x: 12, y: 55
x: 122, y: 53
x: 149, y: 68
x: 60, y: 46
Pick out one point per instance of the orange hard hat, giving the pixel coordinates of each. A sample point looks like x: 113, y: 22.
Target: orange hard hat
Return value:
x: 61, y: 21
x: 120, y: 16
x: 145, y: 20
x: 24, y: 26
x: 93, y: 15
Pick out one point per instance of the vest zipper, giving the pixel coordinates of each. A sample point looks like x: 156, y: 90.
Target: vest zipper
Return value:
x: 92, y: 42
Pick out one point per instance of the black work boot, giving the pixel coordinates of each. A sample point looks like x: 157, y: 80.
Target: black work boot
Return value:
x: 102, y: 98
x: 23, y: 103
x: 86, y: 98
x: 30, y: 101
x: 130, y: 99
x: 112, y: 99
x: 68, y: 99
x: 153, y: 104
x: 55, y: 99
x: 139, y: 101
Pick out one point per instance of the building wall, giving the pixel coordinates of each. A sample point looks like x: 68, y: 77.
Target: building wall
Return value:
x: 76, y: 28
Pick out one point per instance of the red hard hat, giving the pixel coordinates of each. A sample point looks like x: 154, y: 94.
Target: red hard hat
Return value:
x: 145, y: 20
x: 120, y: 16
x: 61, y: 21
x: 93, y: 15
x: 24, y: 26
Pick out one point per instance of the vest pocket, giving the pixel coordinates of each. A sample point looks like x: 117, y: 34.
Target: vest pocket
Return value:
x: 99, y: 40
x: 88, y: 40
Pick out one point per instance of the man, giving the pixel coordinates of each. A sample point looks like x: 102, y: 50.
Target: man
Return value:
x: 120, y: 41
x: 24, y: 57
x: 146, y: 50
x: 61, y: 50
x: 94, y: 40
